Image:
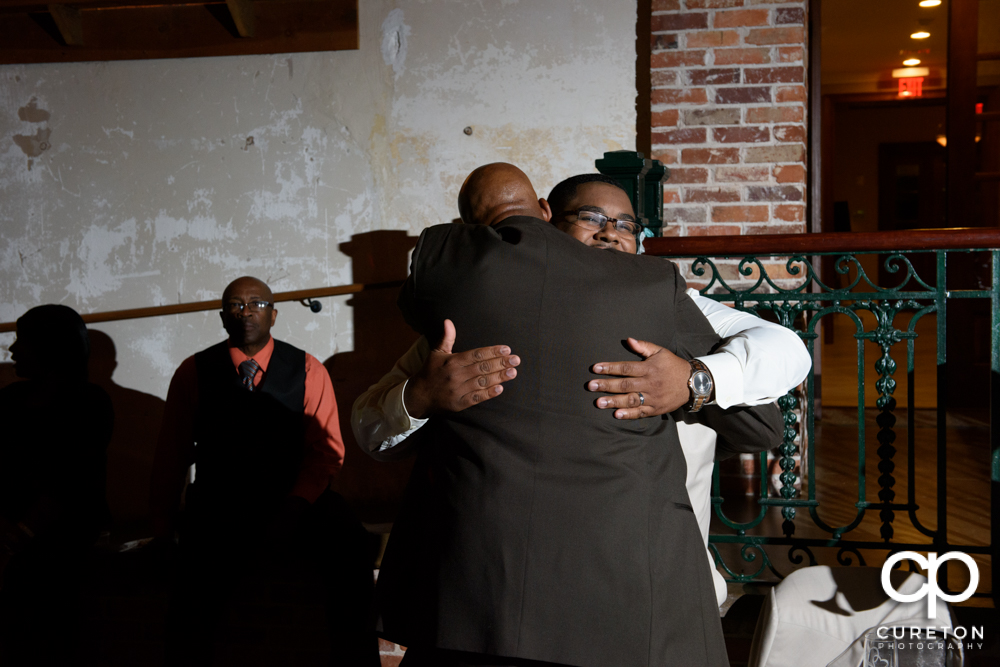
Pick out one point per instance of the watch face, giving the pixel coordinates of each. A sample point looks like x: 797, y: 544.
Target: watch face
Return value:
x: 702, y: 383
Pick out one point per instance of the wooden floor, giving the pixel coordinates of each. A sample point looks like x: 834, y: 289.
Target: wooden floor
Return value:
x: 840, y: 362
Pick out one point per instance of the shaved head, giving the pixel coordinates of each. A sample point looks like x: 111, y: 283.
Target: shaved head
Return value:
x: 254, y: 284
x: 498, y: 191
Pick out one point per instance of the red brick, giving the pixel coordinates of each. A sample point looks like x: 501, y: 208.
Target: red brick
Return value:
x: 790, y: 212
x: 687, y: 135
x: 666, y: 5
x: 665, y: 41
x: 710, y: 156
x: 713, y: 77
x: 786, y: 54
x: 742, y: 56
x: 713, y: 4
x: 677, y: 58
x: 743, y: 95
x: 684, y: 214
x: 774, y: 2
x: 740, y: 213
x: 786, y: 35
x: 661, y: 78
x: 736, y: 135
x: 666, y: 118
x: 782, y: 153
x: 774, y: 74
x: 671, y: 196
x: 671, y: 230
x: 774, y: 193
x: 713, y: 230
x: 701, y: 195
x: 712, y: 38
x: 667, y: 155
x: 775, y: 114
x: 679, y: 96
x: 790, y: 16
x: 742, y: 174
x: 391, y: 660
x: 790, y: 173
x: 780, y: 272
x: 385, y: 646
x: 789, y: 133
x: 753, y: 230
x: 724, y: 116
x: 740, y: 18
x: 682, y: 21
x: 690, y: 175
x: 791, y: 94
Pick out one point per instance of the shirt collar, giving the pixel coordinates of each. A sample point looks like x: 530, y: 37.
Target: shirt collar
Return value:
x: 262, y: 358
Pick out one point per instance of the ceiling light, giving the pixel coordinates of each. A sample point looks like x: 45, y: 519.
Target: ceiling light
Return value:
x: 910, y: 62
x: 930, y: 3
x: 923, y: 34
x: 942, y: 139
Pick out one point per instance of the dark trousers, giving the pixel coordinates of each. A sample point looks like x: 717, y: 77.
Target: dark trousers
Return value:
x: 328, y: 547
x: 39, y: 606
x: 422, y: 656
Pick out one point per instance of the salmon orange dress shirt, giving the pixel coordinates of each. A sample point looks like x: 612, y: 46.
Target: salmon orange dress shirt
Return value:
x: 324, y: 446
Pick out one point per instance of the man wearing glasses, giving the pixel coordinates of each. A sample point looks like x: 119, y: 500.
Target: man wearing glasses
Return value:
x: 758, y: 363
x: 425, y: 382
x: 264, y: 417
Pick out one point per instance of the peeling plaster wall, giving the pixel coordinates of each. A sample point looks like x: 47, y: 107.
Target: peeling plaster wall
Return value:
x: 131, y: 184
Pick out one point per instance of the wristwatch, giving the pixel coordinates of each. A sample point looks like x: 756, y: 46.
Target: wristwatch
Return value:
x: 700, y: 383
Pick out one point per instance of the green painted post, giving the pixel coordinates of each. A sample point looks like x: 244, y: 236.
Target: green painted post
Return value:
x: 653, y: 207
x: 642, y: 180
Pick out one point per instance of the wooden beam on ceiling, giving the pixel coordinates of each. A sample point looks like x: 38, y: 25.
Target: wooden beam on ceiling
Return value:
x: 147, y: 29
x: 243, y: 16
x: 68, y: 21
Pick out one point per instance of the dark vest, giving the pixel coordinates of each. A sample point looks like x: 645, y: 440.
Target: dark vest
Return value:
x: 536, y: 526
x: 249, y: 445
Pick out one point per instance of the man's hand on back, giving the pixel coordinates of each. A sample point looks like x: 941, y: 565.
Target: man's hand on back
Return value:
x: 661, y: 378
x: 453, y: 382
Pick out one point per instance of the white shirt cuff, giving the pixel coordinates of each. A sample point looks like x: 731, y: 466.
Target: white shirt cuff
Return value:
x: 395, y: 398
x: 397, y: 414
x: 727, y: 376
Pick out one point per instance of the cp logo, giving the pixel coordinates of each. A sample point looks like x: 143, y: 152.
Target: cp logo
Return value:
x: 930, y: 590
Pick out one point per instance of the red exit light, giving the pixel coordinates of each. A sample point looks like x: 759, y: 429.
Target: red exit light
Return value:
x: 911, y: 87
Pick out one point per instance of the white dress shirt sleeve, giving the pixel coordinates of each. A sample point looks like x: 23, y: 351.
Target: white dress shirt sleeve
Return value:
x: 760, y: 361
x: 379, y: 419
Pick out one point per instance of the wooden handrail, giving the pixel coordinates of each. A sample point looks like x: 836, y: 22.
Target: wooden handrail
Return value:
x: 806, y: 244
x: 214, y: 304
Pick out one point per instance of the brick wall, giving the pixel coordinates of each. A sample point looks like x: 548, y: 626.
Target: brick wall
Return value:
x: 728, y: 110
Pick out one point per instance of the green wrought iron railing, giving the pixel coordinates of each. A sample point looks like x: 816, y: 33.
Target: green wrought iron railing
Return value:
x: 802, y: 280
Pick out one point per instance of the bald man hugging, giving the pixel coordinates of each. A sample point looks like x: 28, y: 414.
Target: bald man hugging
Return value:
x: 430, y: 382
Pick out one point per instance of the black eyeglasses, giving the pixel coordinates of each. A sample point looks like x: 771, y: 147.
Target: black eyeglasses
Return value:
x: 597, y: 221
x: 253, y: 306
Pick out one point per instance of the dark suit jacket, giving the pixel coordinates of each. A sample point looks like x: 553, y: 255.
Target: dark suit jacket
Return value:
x: 536, y: 526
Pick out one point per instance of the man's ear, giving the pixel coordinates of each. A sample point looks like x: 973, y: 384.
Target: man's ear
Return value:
x: 274, y: 315
x: 546, y: 210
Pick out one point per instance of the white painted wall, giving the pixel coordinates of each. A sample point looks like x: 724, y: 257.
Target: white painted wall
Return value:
x: 128, y: 184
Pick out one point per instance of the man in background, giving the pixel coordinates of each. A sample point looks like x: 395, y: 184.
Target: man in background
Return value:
x: 264, y: 417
